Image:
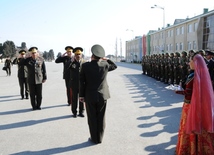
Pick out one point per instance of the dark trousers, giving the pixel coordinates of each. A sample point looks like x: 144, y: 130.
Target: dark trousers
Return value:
x: 35, y: 95
x: 75, y: 102
x: 8, y: 70
x: 96, y: 119
x: 23, y: 87
x: 68, y: 92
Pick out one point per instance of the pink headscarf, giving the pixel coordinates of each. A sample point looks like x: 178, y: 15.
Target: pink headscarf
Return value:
x: 201, y: 112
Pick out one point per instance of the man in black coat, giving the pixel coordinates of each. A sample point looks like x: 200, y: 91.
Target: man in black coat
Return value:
x: 66, y: 60
x: 94, y: 91
x: 210, y: 64
x: 22, y: 75
x: 8, y: 65
x: 36, y: 76
x: 74, y: 68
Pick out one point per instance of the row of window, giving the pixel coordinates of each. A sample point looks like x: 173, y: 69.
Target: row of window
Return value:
x: 179, y: 31
x: 179, y: 46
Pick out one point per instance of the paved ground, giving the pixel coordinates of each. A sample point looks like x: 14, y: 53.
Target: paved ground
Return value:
x: 142, y: 117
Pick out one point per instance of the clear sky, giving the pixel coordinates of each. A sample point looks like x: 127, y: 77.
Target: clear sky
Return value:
x: 54, y: 24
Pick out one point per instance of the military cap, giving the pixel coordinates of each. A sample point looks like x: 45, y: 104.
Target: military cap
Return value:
x: 178, y: 54
x: 184, y: 53
x: 98, y: 51
x: 33, y: 49
x: 78, y: 50
x: 208, y: 52
x: 69, y: 47
x: 22, y: 52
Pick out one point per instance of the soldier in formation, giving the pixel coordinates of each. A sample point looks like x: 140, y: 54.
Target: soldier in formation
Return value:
x: 174, y: 68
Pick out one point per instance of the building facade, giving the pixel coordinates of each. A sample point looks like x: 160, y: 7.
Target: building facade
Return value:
x: 185, y: 34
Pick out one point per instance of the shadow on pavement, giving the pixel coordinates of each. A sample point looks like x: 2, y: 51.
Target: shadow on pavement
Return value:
x: 57, y: 150
x: 28, y: 110
x: 152, y: 93
x: 9, y: 98
x: 31, y: 122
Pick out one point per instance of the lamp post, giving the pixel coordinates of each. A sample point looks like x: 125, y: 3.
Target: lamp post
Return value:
x: 159, y: 7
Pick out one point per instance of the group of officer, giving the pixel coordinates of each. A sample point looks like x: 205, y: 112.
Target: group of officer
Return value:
x: 71, y: 69
x: 31, y: 75
x: 86, y: 82
x: 174, y: 68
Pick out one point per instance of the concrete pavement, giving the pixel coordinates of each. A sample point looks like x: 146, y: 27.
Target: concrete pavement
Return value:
x: 142, y: 117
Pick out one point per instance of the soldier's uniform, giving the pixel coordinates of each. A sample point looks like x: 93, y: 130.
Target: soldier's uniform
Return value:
x: 22, y: 76
x: 183, y: 67
x: 166, y: 61
x: 36, y: 76
x: 171, y: 68
x: 144, y: 65
x: 210, y: 64
x: 66, y: 60
x: 162, y: 64
x: 74, y: 68
x: 176, y: 68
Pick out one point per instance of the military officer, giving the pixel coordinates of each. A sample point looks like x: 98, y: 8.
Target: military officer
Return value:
x: 176, y: 68
x: 74, y: 68
x: 66, y: 60
x: 210, y: 64
x: 95, y: 92
x: 36, y: 76
x: 22, y: 75
x: 183, y: 67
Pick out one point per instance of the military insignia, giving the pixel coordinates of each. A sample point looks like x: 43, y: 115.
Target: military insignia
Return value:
x: 74, y: 66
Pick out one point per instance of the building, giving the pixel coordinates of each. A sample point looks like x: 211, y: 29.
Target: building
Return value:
x: 134, y: 50
x: 185, y: 34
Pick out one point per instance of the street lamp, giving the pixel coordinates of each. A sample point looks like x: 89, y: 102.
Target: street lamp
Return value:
x: 159, y: 7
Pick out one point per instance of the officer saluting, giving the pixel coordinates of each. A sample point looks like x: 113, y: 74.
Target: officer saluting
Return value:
x: 66, y: 60
x: 36, y: 76
x: 22, y: 75
x: 95, y: 92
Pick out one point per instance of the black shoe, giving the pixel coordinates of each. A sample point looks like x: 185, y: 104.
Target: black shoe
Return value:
x: 26, y: 98
x: 38, y: 108
x: 81, y: 115
x: 34, y: 108
x: 92, y: 141
x: 75, y: 115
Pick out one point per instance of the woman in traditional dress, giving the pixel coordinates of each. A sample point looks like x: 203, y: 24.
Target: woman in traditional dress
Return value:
x: 196, y: 131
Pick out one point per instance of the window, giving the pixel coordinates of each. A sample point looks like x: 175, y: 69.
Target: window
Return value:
x: 171, y: 33
x: 176, y: 47
x: 195, y: 26
x: 181, y: 46
x: 182, y: 30
x: 189, y: 45
x: 177, y: 31
x: 189, y: 28
x: 194, y: 45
